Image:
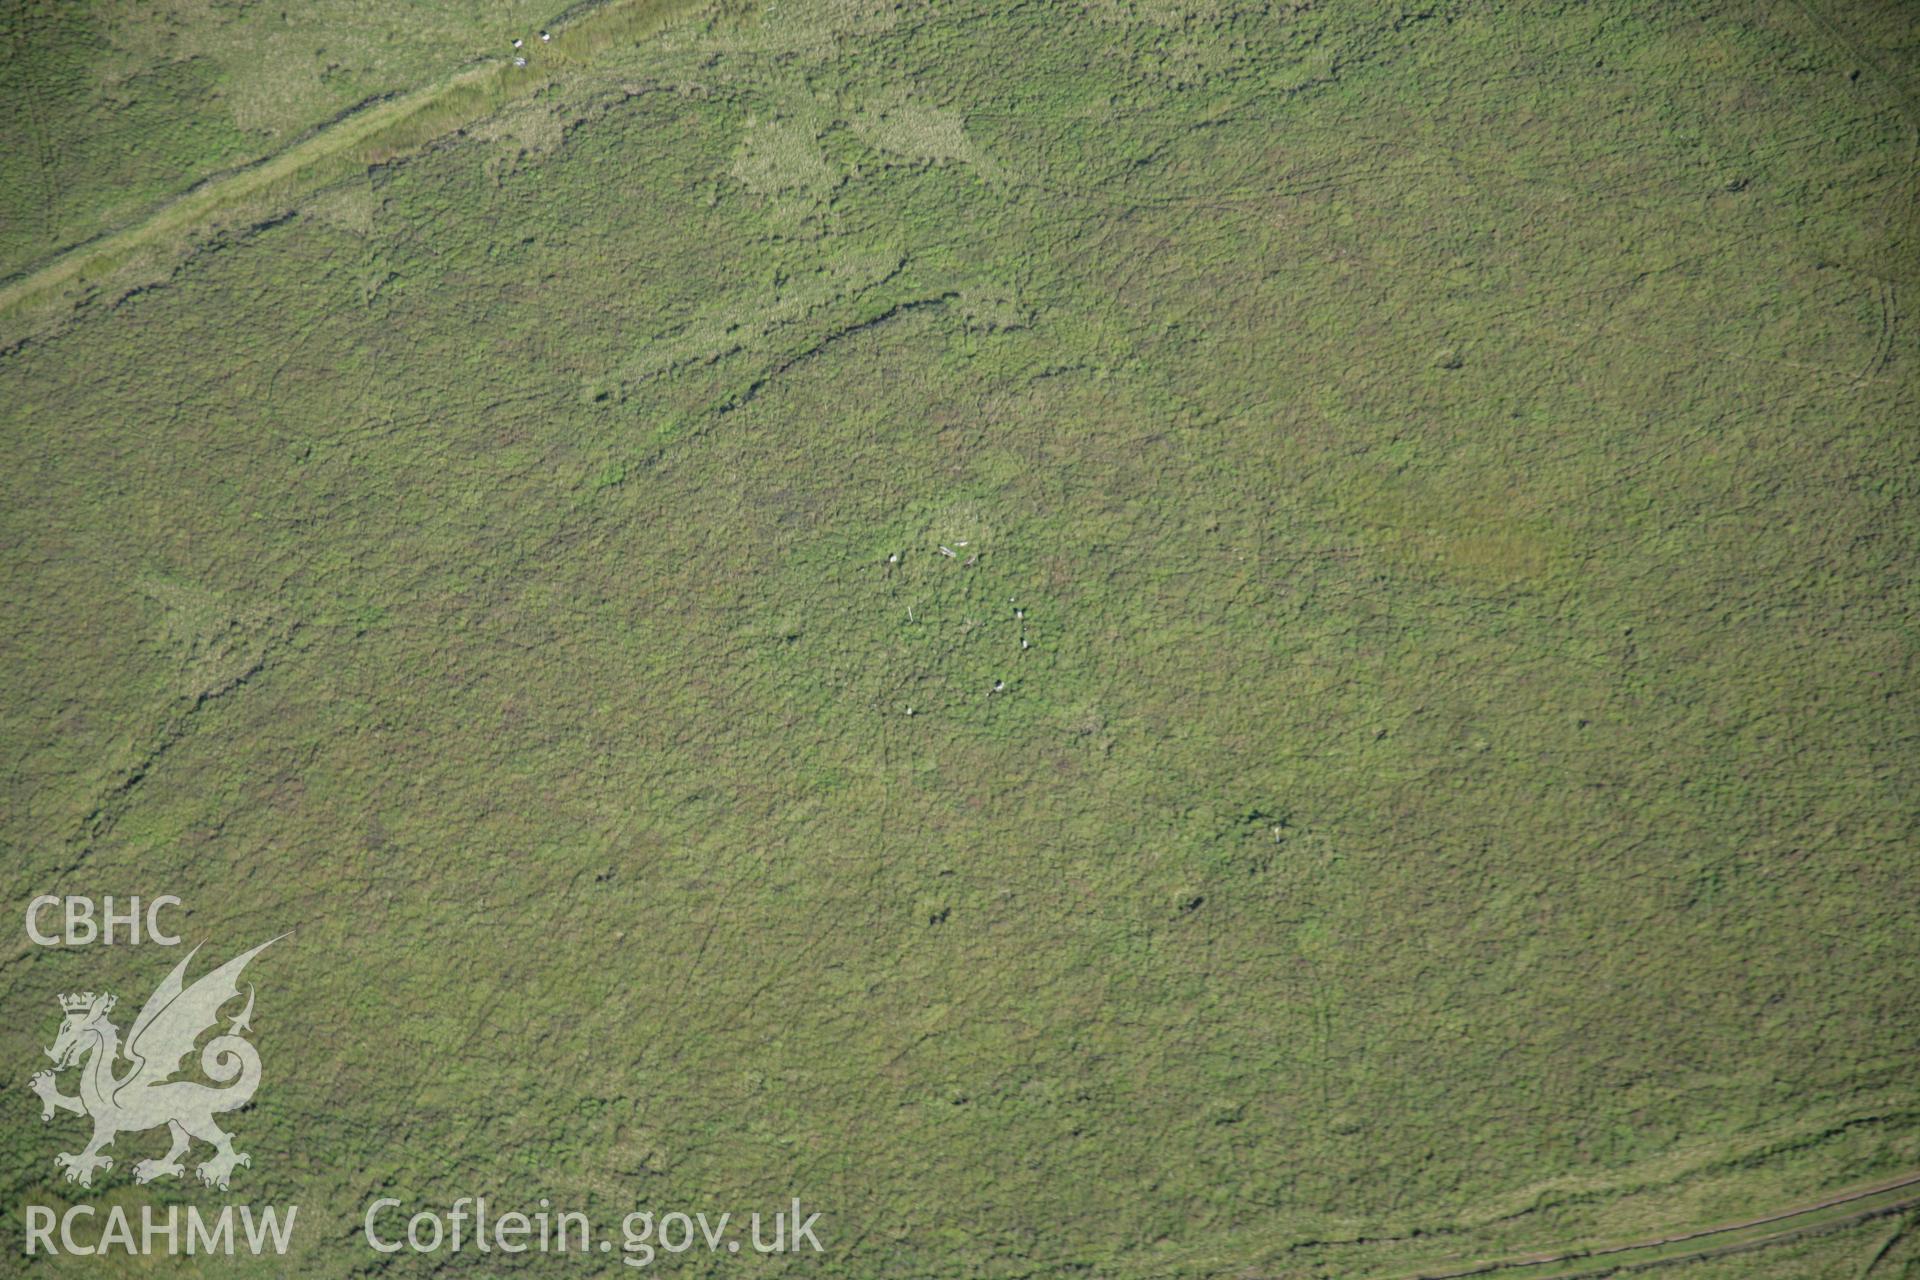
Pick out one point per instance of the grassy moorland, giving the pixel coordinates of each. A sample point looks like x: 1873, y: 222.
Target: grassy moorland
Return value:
x: 115, y: 106
x: 1430, y: 485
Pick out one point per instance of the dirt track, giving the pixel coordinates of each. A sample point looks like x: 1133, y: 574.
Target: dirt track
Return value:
x: 572, y: 45
x: 1789, y: 1221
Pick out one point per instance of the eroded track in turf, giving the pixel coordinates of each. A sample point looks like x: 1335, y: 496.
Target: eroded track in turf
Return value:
x: 1846, y: 1208
x: 381, y: 131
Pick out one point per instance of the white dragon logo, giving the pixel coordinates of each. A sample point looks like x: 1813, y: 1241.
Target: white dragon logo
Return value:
x: 146, y: 1096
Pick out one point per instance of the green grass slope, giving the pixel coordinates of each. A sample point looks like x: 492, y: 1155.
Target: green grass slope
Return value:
x: 115, y: 105
x: 1434, y: 484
